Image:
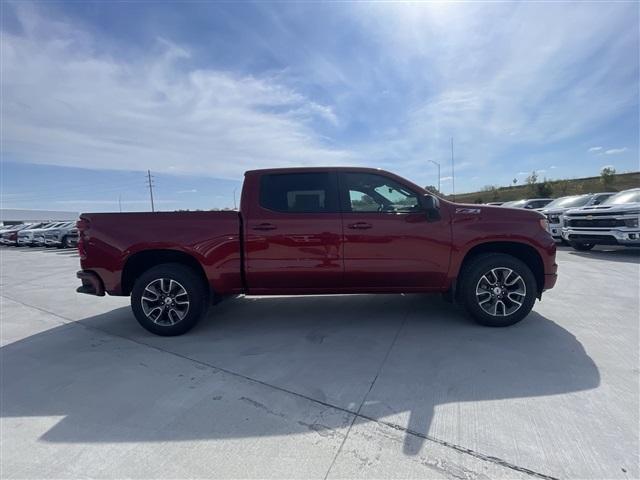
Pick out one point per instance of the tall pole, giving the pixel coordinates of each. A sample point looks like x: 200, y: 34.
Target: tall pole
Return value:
x: 235, y: 207
x: 120, y: 203
x: 438, y: 165
x: 150, y: 189
x: 453, y: 173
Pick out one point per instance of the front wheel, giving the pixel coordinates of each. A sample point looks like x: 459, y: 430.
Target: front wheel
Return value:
x: 498, y: 290
x: 582, y: 247
x: 169, y: 299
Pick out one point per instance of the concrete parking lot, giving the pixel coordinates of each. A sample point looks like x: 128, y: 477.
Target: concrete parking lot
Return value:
x: 321, y: 387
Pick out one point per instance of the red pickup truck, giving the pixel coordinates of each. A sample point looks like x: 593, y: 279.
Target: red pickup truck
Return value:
x: 319, y: 231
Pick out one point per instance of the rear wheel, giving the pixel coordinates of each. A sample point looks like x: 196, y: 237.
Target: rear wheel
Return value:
x: 498, y: 290
x: 582, y: 247
x: 169, y: 299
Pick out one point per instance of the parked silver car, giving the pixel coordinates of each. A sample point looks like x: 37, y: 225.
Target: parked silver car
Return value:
x: 26, y: 236
x: 35, y: 237
x: 10, y: 237
x: 60, y: 236
x: 555, y: 210
x: 528, y: 203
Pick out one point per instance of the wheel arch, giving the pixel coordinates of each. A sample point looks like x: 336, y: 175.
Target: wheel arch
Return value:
x: 522, y: 251
x: 140, y: 262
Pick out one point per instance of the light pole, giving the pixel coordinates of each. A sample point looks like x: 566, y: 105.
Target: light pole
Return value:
x: 453, y: 173
x: 438, y: 165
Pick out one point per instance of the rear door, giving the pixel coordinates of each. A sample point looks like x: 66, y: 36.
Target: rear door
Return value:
x: 294, y: 233
x: 389, y: 242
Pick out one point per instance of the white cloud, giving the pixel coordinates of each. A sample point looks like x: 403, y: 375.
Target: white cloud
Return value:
x: 66, y: 105
x: 615, y: 151
x: 446, y: 179
x: 552, y: 167
x: 506, y: 75
x: 595, y: 149
x: 193, y: 190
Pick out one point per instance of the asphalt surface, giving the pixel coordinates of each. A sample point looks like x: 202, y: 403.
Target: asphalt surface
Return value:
x: 320, y: 387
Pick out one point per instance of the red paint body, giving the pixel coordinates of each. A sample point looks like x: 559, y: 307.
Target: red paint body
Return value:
x: 260, y: 251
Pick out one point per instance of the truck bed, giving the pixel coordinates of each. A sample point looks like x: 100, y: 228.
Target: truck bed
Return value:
x: 111, y: 241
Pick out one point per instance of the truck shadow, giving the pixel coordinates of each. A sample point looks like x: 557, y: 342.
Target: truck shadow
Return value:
x: 330, y: 349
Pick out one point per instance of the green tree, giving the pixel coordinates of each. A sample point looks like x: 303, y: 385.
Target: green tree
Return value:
x: 561, y: 186
x: 544, y: 188
x: 607, y: 176
x: 531, y: 182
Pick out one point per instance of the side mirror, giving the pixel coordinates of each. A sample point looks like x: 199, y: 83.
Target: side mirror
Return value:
x: 431, y: 205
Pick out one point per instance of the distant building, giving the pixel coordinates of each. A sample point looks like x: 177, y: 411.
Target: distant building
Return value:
x: 11, y: 216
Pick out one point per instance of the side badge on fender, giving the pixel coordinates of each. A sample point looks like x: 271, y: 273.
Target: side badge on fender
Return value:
x: 468, y: 211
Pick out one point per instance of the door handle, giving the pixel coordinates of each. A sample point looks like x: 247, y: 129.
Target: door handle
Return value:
x: 359, y: 226
x: 265, y: 226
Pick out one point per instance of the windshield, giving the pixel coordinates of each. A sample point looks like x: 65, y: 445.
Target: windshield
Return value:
x: 569, y: 202
x: 623, y: 197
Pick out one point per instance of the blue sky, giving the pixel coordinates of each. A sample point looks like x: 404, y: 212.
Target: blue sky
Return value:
x: 94, y: 94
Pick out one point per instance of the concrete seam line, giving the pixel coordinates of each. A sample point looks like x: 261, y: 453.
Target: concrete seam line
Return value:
x: 356, y: 414
x: 364, y: 398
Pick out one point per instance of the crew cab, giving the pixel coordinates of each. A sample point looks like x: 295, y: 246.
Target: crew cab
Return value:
x: 319, y: 231
x: 614, y: 222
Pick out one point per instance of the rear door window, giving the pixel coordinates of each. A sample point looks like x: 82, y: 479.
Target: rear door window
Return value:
x: 299, y: 192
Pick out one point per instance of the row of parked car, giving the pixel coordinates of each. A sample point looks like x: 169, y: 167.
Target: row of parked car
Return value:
x: 43, y: 234
x: 584, y: 221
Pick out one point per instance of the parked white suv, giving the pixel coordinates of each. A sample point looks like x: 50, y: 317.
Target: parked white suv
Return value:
x: 614, y: 222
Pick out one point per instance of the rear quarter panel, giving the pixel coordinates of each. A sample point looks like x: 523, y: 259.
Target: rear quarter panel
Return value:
x: 212, y: 238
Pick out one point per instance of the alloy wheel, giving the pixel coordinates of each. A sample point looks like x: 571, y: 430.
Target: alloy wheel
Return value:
x: 165, y: 301
x: 501, y: 292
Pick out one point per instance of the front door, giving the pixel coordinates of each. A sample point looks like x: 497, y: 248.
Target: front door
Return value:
x: 389, y: 243
x: 294, y: 234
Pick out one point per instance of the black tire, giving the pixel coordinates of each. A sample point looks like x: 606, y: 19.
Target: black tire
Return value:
x: 582, y: 247
x: 472, y: 279
x: 64, y: 243
x: 187, y: 280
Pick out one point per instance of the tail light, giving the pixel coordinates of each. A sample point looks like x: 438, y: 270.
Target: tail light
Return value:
x: 82, y: 225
